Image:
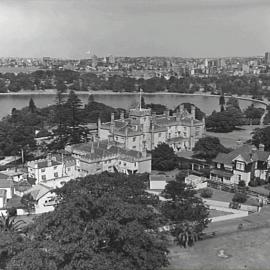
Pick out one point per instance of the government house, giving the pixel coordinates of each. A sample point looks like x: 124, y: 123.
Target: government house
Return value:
x: 144, y: 129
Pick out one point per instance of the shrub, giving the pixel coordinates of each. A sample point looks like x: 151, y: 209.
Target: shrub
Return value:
x: 12, y: 212
x: 253, y: 183
x: 206, y: 193
x: 242, y: 183
x: 239, y: 197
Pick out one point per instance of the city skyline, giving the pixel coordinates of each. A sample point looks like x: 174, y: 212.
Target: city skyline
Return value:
x: 68, y: 29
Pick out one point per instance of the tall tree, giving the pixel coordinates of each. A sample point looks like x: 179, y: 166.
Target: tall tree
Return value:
x: 208, y: 148
x: 32, y: 106
x: 163, y: 158
x: 186, y: 212
x: 73, y: 109
x: 96, y: 226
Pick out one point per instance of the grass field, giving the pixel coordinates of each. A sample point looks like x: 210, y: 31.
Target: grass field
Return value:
x: 244, y: 250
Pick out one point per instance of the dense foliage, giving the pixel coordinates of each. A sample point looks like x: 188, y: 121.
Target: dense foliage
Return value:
x: 103, y: 222
x: 74, y: 80
x: 186, y: 212
x: 18, y: 130
x: 208, y: 148
x: 163, y: 158
x: 262, y: 136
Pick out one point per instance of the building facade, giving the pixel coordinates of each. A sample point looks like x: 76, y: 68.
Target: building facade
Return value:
x: 243, y: 164
x: 52, y: 168
x: 145, y: 130
x: 100, y: 156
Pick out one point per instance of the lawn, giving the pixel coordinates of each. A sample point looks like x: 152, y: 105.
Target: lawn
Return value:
x: 220, y: 195
x: 230, y: 139
x: 217, y: 213
x: 242, y: 250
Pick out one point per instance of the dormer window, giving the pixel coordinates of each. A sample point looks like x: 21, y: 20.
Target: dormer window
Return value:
x: 240, y: 166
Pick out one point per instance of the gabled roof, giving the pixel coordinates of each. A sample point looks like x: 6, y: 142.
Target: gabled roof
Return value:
x: 38, y: 191
x: 5, y: 183
x: 246, y: 152
x: 161, y: 177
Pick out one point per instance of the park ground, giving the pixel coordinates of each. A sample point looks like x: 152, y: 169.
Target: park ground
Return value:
x: 246, y: 248
x: 232, y: 139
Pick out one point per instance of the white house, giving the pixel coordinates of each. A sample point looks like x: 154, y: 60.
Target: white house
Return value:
x: 242, y: 164
x: 3, y: 198
x: 45, y: 199
x: 52, y: 168
x: 7, y: 184
x: 158, y: 182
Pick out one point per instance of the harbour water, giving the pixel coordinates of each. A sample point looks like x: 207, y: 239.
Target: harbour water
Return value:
x: 126, y: 100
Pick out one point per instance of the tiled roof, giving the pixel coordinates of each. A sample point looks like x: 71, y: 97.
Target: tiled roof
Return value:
x: 161, y: 177
x: 68, y: 160
x: 4, y: 176
x: 5, y: 183
x: 38, y: 191
x: 261, y: 156
x: 43, y: 163
x: 221, y: 173
x: 102, y: 150
x: 246, y: 152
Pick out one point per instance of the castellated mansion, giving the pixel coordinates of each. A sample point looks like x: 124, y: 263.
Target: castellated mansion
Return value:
x: 145, y: 130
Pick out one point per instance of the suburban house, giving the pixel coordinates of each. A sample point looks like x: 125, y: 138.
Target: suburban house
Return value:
x: 158, y: 182
x: 100, y: 156
x: 244, y: 163
x: 6, y: 184
x: 3, y: 198
x: 52, y: 168
x: 145, y: 130
x: 44, y: 198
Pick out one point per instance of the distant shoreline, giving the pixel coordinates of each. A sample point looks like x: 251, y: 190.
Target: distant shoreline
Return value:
x: 108, y: 92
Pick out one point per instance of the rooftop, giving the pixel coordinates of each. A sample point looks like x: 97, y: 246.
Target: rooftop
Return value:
x: 5, y: 183
x: 38, y: 191
x: 247, y: 152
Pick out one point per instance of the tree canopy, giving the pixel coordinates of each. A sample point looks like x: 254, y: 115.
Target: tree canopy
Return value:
x: 208, y: 148
x: 186, y: 212
x: 163, y: 158
x: 102, y: 222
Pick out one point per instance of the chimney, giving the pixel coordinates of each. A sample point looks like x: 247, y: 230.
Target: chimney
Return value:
x: 154, y: 116
x: 122, y: 116
x: 112, y: 118
x: 112, y: 123
x: 182, y: 108
x: 49, y: 158
x: 261, y: 147
x: 167, y: 113
x: 92, y: 148
x: 193, y: 111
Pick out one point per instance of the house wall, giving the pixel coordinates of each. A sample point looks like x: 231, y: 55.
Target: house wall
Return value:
x: 158, y: 185
x: 3, y: 201
x: 9, y: 192
x: 262, y: 174
x: 45, y: 203
x: 159, y: 137
x: 144, y: 166
x: 135, y: 142
x: 103, y: 134
x: 48, y: 172
x: 245, y: 176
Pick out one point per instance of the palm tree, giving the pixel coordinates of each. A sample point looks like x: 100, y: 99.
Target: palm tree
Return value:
x: 8, y: 223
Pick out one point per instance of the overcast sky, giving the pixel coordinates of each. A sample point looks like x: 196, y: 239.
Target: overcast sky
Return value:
x: 187, y: 28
